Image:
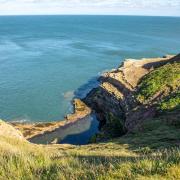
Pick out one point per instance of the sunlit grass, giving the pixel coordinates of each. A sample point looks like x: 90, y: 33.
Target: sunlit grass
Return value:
x: 160, y: 80
x: 120, y: 158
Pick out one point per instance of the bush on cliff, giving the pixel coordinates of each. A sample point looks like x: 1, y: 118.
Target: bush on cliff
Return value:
x: 114, y: 127
x: 171, y: 102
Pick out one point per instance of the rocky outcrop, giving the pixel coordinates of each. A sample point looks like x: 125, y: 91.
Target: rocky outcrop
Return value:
x: 53, y: 132
x: 115, y: 95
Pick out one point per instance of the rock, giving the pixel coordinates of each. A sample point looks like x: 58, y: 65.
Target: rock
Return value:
x: 116, y: 92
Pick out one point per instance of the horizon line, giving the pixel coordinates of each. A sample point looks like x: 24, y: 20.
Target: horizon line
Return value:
x: 90, y: 15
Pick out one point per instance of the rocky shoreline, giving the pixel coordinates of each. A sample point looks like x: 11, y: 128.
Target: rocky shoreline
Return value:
x: 113, y: 100
x: 47, y: 133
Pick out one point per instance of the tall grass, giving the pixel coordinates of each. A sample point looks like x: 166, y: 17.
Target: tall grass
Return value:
x: 25, y: 161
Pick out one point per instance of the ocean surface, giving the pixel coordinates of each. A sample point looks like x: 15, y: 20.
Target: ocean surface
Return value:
x: 47, y: 60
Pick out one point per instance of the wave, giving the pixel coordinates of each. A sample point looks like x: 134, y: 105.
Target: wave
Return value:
x: 21, y: 120
x: 7, y: 44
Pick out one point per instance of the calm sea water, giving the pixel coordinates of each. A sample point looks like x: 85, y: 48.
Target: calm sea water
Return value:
x: 46, y: 60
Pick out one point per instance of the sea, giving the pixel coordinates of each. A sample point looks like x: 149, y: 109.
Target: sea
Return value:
x: 46, y: 61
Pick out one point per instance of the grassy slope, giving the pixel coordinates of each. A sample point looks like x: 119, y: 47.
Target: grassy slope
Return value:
x: 161, y: 80
x: 150, y: 153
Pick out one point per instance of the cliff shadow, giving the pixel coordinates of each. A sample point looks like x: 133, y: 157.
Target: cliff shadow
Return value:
x: 84, y: 89
x: 119, y: 85
x: 86, y: 131
x: 87, y: 126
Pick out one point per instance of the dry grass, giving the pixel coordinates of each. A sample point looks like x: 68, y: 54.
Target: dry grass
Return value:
x: 21, y: 160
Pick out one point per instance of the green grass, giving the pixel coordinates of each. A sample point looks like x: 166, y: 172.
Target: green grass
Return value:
x: 171, y: 102
x: 77, y: 165
x: 160, y: 80
x: 150, y: 153
x: 153, y: 135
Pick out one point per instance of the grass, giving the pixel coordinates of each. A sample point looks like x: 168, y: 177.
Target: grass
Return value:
x: 79, y: 164
x: 154, y: 134
x: 149, y: 152
x: 160, y: 80
x: 171, y: 102
x: 152, y: 153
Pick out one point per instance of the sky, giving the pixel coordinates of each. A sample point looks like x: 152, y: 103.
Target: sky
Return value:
x: 105, y: 7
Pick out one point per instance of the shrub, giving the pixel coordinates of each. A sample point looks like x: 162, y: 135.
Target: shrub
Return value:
x: 171, y: 102
x: 159, y: 80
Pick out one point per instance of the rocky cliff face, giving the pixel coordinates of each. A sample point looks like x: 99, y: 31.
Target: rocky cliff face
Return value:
x: 116, y: 96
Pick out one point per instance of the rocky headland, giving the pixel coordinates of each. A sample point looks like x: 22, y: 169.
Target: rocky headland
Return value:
x: 120, y: 102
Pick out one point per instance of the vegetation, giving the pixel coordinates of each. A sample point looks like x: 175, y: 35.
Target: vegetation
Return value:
x: 171, y: 102
x: 152, y: 153
x: 158, y: 81
x: 113, y: 128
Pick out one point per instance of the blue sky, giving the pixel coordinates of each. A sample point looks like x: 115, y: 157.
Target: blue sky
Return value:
x: 115, y: 7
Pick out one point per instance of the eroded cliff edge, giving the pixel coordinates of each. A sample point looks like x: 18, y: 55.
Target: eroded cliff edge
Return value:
x: 123, y: 101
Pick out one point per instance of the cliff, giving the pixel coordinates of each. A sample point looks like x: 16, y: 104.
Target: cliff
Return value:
x: 124, y: 99
x: 140, y: 97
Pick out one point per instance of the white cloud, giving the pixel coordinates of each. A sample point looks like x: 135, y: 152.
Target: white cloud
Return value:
x: 151, y: 7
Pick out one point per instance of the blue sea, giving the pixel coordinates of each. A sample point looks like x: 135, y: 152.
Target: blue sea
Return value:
x: 45, y: 61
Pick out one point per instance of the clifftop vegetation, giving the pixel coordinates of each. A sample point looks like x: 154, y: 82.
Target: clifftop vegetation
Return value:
x: 165, y: 79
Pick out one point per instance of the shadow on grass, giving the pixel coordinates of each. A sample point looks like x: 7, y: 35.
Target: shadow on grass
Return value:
x: 106, y: 160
